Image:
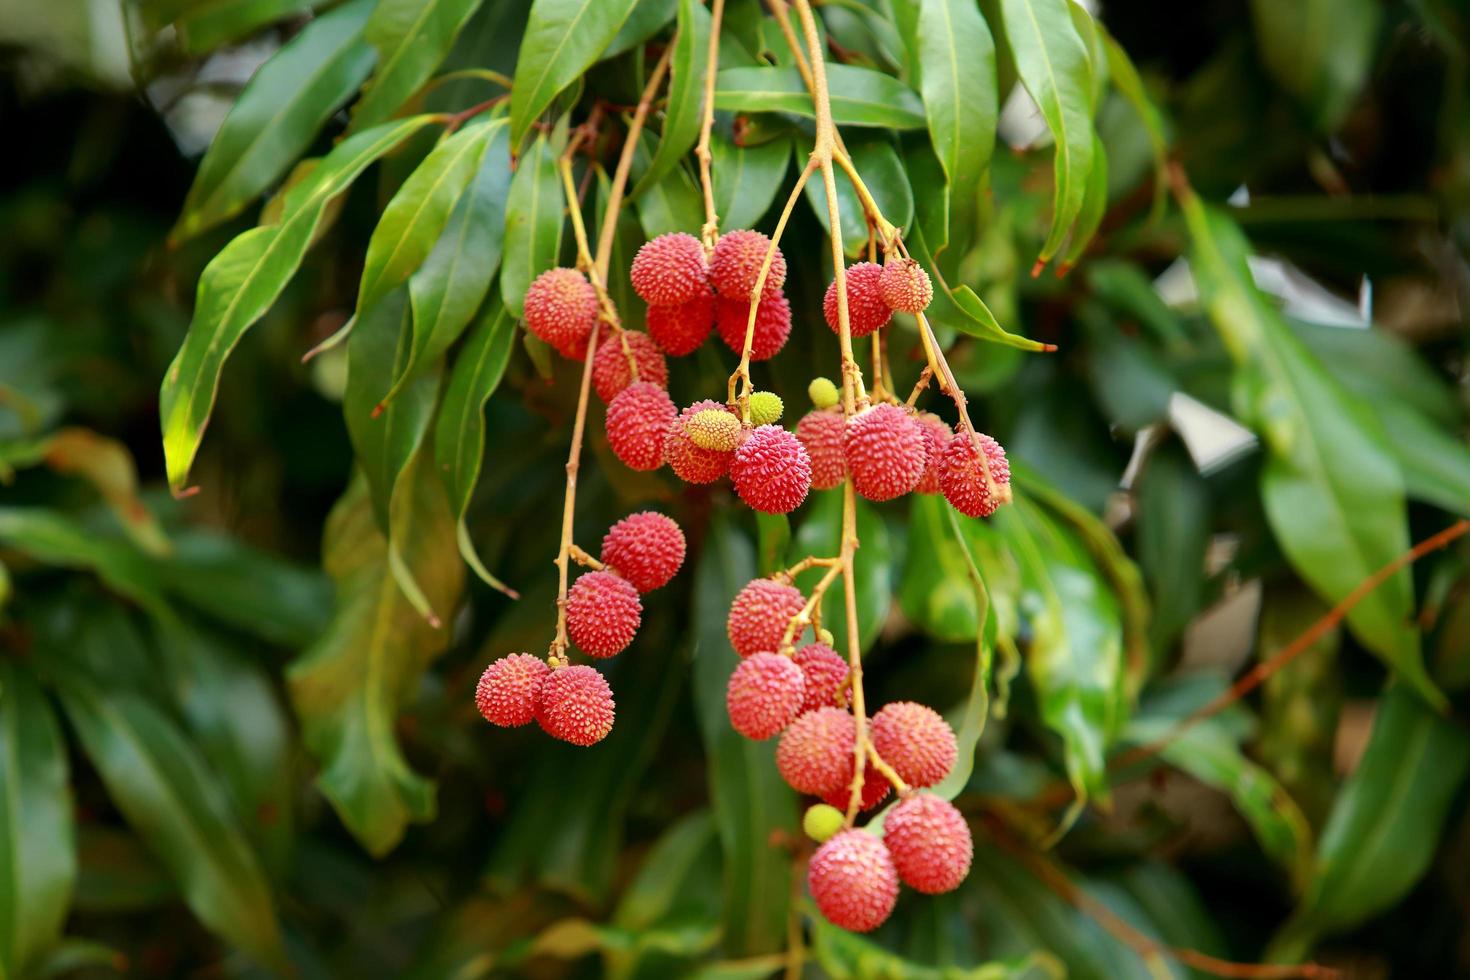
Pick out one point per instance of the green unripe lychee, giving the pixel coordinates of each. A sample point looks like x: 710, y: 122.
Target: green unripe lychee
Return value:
x: 822, y: 392
x: 765, y: 408
x: 824, y: 635
x: 714, y: 428
x: 822, y: 821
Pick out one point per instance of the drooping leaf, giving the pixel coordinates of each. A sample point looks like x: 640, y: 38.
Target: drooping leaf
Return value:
x: 562, y: 39
x: 411, y: 38
x: 38, y: 848
x: 1094, y: 205
x: 686, y: 93
x: 860, y: 96
x: 957, y: 59
x: 746, y: 178
x: 108, y: 465
x: 278, y: 114
x: 672, y: 204
x: 1320, y: 51
x: 243, y: 281
x: 206, y: 26
x: 977, y: 321
x: 878, y: 164
x: 645, y: 20
x: 533, y: 222
x: 820, y: 534
x: 57, y: 539
x: 1172, y: 536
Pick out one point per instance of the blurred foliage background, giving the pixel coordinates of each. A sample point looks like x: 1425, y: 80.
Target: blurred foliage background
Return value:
x: 214, y: 766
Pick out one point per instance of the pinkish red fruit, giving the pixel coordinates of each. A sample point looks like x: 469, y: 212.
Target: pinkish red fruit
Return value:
x: 610, y: 373
x: 764, y: 695
x: 561, y: 309
x: 506, y: 694
x: 679, y: 330
x: 638, y: 420
x: 885, y: 452
x: 915, y: 741
x: 760, y: 613
x: 821, y: 431
x: 603, y: 613
x: 576, y: 705
x: 669, y: 270
x: 866, y: 310
x: 962, y: 478
x: 853, y: 881
x: 736, y: 264
x: 815, y: 752
x: 930, y: 843
x: 692, y: 463
x: 875, y: 791
x: 771, y: 471
x: 825, y: 673
x: 936, y: 441
x: 646, y: 548
x: 905, y: 285
x: 772, y: 325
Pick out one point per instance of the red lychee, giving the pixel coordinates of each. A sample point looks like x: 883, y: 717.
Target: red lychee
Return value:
x: 963, y: 479
x: 760, y: 613
x: 875, y: 790
x: 679, y: 330
x: 853, y: 881
x: 561, y: 309
x: 603, y: 613
x: 692, y: 463
x: 506, y: 694
x: 638, y: 420
x: 736, y: 264
x: 646, y: 548
x: 885, y: 452
x: 772, y: 325
x: 765, y: 695
x: 815, y: 752
x: 610, y: 373
x: 930, y: 843
x: 915, y: 741
x: 936, y: 441
x: 905, y: 285
x: 771, y: 471
x: 669, y: 270
x: 866, y: 310
x: 825, y: 673
x: 576, y: 705
x: 820, y: 431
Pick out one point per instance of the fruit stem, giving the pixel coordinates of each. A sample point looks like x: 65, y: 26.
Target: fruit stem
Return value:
x: 583, y: 558
x: 887, y: 772
x: 998, y: 491
x: 808, y: 615
x: 920, y: 385
x: 558, y: 654
x: 607, y: 311
x: 711, y: 227
x: 811, y: 561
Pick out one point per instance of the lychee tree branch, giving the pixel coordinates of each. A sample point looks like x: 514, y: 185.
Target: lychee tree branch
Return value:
x: 707, y: 123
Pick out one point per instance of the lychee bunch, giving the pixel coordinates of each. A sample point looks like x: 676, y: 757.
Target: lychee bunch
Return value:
x: 691, y: 462
x: 561, y: 309
x: 638, y: 421
x: 646, y: 548
x: 962, y: 475
x: 507, y: 691
x: 760, y: 614
x: 821, y: 432
x: 825, y: 675
x: 853, y: 880
x: 603, y: 613
x: 930, y: 843
x: 771, y: 470
x: 610, y: 373
x: 814, y: 755
x: 915, y: 741
x: 885, y: 452
x: 765, y: 695
x: 866, y: 309
x: 576, y: 705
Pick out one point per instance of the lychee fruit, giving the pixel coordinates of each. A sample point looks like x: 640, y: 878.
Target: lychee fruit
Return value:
x: 915, y: 741
x: 736, y: 264
x: 561, y: 309
x: 930, y: 843
x: 814, y: 755
x: 669, y: 270
x: 689, y: 461
x: 825, y: 673
x: 772, y: 325
x: 771, y: 471
x: 875, y: 790
x: 905, y: 285
x: 646, y: 548
x: 765, y: 408
x: 610, y: 373
x: 885, y: 452
x: 962, y: 478
x: 822, y: 392
x: 764, y: 695
x: 714, y: 428
x: 638, y: 421
x: 679, y: 330
x: 853, y: 881
x: 506, y: 694
x: 576, y: 705
x: 821, y: 432
x: 821, y: 821
x: 936, y: 441
x: 866, y: 310
x: 760, y: 614
x: 603, y: 613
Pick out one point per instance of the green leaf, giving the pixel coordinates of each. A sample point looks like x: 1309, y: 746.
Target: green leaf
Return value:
x: 38, y: 848
x: 957, y: 60
x: 1173, y: 530
x: 935, y: 592
x: 1127, y: 80
x: 978, y: 321
x: 686, y: 93
x: 1320, y: 51
x: 883, y: 173
x: 562, y: 40
x: 277, y: 115
x: 773, y: 541
x: 860, y: 96
x: 1333, y: 494
x: 1094, y: 205
x: 348, y: 686
x: 411, y: 38
x: 749, y: 797
x: 243, y: 281
x: 847, y: 955
x: 117, y: 874
x: 672, y: 204
x: 533, y: 222
x: 1053, y: 64
x: 57, y: 539
x: 652, y: 895
x: 820, y: 534
x: 746, y: 178
x: 206, y: 26
x: 159, y: 782
x: 646, y: 19
x: 415, y: 217
x: 1385, y: 825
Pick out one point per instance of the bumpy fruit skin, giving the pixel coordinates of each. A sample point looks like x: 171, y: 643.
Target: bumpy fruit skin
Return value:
x: 821, y: 821
x: 866, y: 310
x: 905, y: 285
x: 772, y: 325
x: 646, y: 548
x: 714, y: 428
x: 822, y: 392
x: 689, y: 462
x: 885, y: 452
x: 771, y: 470
x: 669, y: 270
x: 853, y: 881
x: 963, y: 480
x: 765, y: 408
x: 930, y: 843
x: 875, y: 791
x: 576, y: 705
x: 764, y: 695
x: 825, y: 673
x: 638, y: 420
x: 915, y: 741
x: 814, y: 755
x: 603, y: 613
x: 821, y: 432
x: 736, y: 264
x: 610, y: 373
x: 679, y: 330
x: 936, y: 441
x: 561, y: 309
x: 759, y: 615
x: 506, y: 694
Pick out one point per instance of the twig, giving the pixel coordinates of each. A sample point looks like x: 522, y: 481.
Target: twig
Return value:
x: 608, y: 233
x: 711, y: 219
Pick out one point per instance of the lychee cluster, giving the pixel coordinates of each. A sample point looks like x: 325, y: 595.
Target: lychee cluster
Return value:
x: 768, y: 466
x: 875, y: 291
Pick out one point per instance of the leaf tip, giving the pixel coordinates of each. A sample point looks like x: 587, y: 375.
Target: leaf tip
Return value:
x: 183, y: 493
x: 1036, y: 269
